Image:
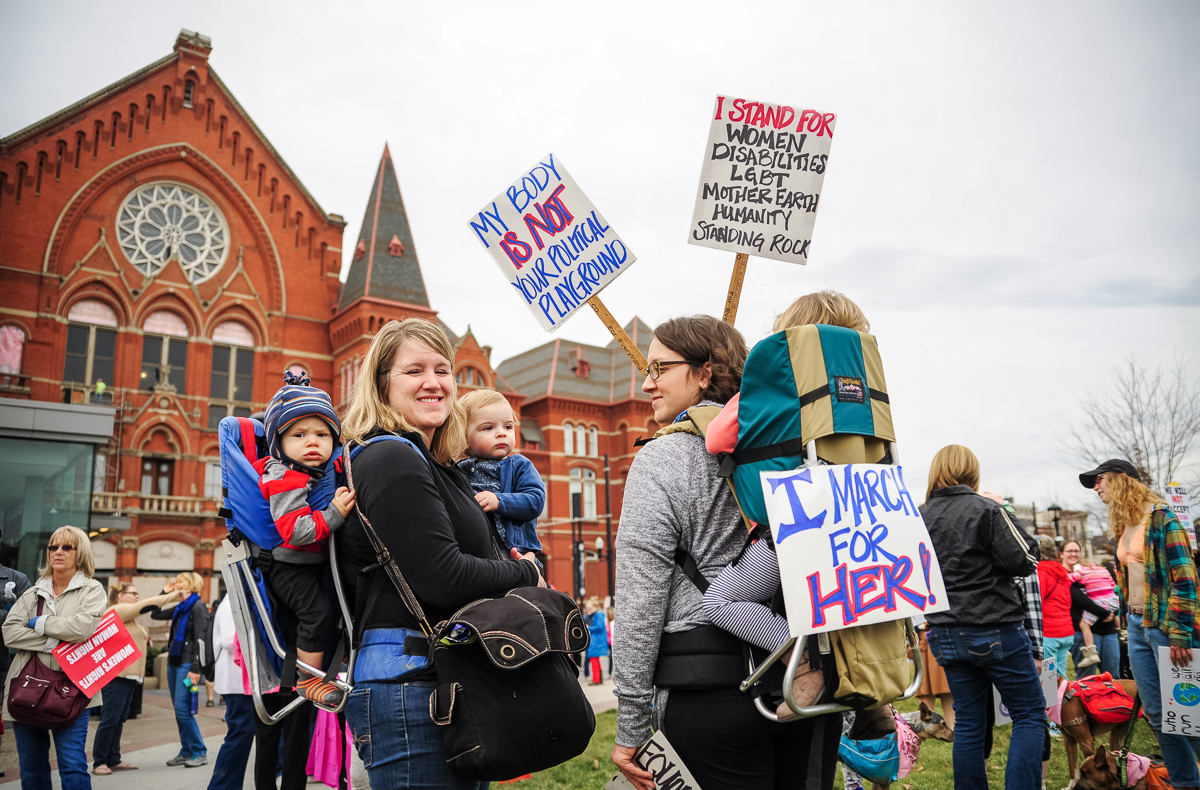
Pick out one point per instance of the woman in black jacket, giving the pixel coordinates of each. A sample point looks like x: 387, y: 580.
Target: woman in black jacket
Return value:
x: 424, y: 511
x: 981, y: 641
x: 187, y: 658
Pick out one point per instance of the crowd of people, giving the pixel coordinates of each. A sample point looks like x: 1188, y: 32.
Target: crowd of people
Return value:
x: 457, y: 511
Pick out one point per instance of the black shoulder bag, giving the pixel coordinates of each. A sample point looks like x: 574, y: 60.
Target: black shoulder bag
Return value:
x: 508, y: 699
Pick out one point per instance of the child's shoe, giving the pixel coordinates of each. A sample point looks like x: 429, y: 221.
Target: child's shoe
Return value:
x: 1089, y: 656
x: 318, y: 690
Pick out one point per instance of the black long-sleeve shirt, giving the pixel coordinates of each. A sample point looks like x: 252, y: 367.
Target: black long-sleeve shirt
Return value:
x: 1080, y: 603
x: 427, y: 517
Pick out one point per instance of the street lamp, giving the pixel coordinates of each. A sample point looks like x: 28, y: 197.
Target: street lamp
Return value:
x: 1055, y: 510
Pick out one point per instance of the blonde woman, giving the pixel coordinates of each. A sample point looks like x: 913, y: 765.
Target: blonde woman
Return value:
x: 981, y: 641
x: 425, y: 512
x: 188, y: 656
x: 1158, y: 577
x: 125, y: 600
x: 72, y: 605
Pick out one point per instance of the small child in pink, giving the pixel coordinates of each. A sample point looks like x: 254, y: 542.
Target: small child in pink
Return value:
x: 1103, y: 591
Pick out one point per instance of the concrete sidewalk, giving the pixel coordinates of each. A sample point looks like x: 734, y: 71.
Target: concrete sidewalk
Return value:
x: 148, y: 742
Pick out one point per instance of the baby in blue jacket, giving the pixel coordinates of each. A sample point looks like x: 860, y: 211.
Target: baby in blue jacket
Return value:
x: 506, y: 485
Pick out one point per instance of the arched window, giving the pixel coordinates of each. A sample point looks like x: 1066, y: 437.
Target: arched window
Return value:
x: 189, y: 91
x: 166, y: 101
x: 262, y: 169
x: 116, y: 124
x: 132, y: 119
x: 12, y: 346
x: 274, y: 190
x: 583, y: 493
x: 232, y: 372
x: 164, y: 351
x: 96, y: 139
x: 60, y: 153
x: 149, y: 109
x: 22, y: 169
x: 249, y: 155
x: 4, y: 183
x: 580, y: 440
x: 79, y: 138
x: 589, y: 494
x: 221, y: 134
x: 207, y: 117
x: 237, y: 140
x: 91, y: 345
x: 575, y: 488
x: 41, y: 165
x: 311, y: 232
x: 299, y: 217
x: 568, y: 439
x: 593, y: 441
x: 287, y: 201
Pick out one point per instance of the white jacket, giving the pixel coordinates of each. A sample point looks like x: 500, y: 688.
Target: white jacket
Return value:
x: 228, y: 675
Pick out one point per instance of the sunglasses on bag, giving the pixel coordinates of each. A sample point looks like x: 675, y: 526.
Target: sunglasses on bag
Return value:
x: 65, y: 547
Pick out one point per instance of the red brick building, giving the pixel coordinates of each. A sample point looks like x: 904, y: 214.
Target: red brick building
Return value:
x: 161, y: 260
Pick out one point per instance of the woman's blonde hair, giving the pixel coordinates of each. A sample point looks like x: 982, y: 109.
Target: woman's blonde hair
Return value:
x: 190, y: 580
x: 1127, y: 500
x: 478, y: 399
x: 74, y: 536
x: 370, y: 407
x: 953, y: 465
x: 823, y: 307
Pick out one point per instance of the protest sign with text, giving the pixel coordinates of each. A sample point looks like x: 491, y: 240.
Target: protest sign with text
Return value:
x: 852, y: 547
x: 659, y: 758
x: 553, y: 246
x: 761, y: 181
x: 1180, y: 502
x: 1180, y: 690
x: 92, y: 664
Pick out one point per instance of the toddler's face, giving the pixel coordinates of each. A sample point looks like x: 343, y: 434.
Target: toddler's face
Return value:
x: 491, y: 431
x: 308, y: 441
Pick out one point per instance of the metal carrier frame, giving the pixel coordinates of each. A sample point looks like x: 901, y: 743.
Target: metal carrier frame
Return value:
x: 757, y: 672
x: 239, y: 579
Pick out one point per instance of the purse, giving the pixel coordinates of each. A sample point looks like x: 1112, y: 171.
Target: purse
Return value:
x: 44, y: 697
x: 508, y: 699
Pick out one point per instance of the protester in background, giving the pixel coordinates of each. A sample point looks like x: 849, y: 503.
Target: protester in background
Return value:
x: 13, y: 585
x: 1158, y: 579
x: 1106, y: 643
x: 118, y: 694
x: 72, y: 605
x: 934, y: 685
x: 189, y: 625
x: 290, y: 737
x: 598, y: 641
x: 425, y: 513
x: 233, y: 684
x: 675, y: 501
x: 609, y: 615
x: 1055, y: 582
x: 981, y: 641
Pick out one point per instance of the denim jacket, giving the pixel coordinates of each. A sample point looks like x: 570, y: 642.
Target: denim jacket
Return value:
x: 522, y: 497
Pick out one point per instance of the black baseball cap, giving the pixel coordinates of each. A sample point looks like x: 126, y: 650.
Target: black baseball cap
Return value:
x: 1111, y: 465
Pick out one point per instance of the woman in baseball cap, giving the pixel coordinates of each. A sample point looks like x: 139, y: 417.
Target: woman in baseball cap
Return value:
x: 1158, y: 577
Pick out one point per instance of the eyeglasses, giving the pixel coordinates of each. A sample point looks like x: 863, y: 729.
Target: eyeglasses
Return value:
x: 65, y: 547
x: 655, y: 369
x: 128, y: 592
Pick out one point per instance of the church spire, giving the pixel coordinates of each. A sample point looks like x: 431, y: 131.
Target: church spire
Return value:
x: 384, y: 261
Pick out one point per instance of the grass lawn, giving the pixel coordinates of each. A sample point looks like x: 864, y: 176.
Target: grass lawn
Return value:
x: 592, y: 769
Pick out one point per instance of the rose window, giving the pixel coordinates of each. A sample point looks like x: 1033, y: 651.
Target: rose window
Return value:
x: 161, y: 221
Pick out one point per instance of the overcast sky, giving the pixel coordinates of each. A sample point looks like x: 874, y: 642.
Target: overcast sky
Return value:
x: 1013, y: 195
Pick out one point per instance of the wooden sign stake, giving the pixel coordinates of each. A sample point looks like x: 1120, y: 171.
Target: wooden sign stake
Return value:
x: 622, y: 337
x: 735, y: 288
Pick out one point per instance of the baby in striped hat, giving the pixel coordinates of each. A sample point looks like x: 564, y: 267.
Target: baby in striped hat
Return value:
x: 302, y: 431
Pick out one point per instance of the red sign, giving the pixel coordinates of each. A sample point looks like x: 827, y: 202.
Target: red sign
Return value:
x: 91, y: 664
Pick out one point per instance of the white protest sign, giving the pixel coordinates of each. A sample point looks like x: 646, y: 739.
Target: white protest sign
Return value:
x: 1180, y: 502
x: 553, y: 246
x: 1180, y: 688
x: 1049, y: 679
x: 852, y: 547
x: 761, y: 181
x: 659, y: 758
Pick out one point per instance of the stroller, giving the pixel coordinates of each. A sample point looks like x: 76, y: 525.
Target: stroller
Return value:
x: 262, y: 624
x: 833, y: 408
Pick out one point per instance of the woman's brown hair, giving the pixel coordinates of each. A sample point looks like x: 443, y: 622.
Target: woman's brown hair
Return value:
x: 702, y: 338
x: 1127, y: 501
x: 115, y: 591
x: 953, y: 465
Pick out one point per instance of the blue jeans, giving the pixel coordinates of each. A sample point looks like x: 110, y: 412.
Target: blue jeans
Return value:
x: 190, y: 742
x: 33, y: 755
x: 1179, y: 751
x: 1109, y: 648
x: 975, y: 659
x: 106, y: 749
x: 397, y: 741
x: 234, y: 754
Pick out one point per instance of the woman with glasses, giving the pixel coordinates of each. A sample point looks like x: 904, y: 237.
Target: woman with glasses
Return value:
x: 118, y: 694
x: 1104, y: 653
x: 72, y: 603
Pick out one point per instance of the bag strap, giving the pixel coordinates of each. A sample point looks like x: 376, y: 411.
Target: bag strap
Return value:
x: 384, y: 558
x: 1123, y: 760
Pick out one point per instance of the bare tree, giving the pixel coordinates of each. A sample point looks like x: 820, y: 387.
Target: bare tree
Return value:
x: 1151, y: 417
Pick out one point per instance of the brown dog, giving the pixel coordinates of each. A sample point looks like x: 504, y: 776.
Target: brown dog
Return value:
x: 1080, y: 730
x: 1099, y: 772
x: 925, y: 723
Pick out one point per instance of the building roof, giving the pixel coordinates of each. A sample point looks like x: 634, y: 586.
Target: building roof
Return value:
x: 384, y: 261
x: 547, y: 370
x: 185, y: 37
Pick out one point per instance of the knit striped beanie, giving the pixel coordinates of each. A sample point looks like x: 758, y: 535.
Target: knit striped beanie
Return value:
x: 294, y: 401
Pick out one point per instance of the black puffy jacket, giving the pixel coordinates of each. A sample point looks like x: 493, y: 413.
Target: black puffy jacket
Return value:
x: 980, y: 548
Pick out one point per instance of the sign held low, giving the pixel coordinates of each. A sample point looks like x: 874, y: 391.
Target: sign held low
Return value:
x: 551, y: 243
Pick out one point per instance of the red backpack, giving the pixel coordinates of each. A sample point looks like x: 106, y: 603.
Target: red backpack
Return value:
x: 1105, y: 701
